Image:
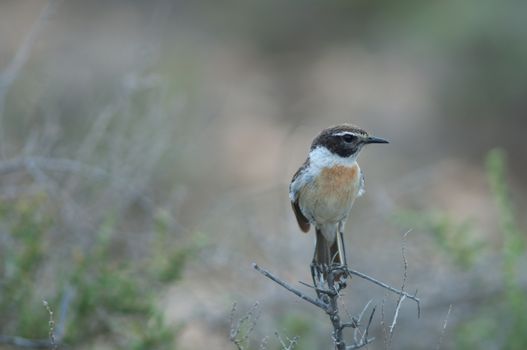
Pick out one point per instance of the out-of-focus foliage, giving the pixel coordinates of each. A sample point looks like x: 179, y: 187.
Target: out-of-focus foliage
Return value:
x: 112, y: 297
x: 508, y: 310
x: 456, y: 240
x: 502, y: 322
x: 177, y: 126
x: 299, y: 325
x: 23, y: 252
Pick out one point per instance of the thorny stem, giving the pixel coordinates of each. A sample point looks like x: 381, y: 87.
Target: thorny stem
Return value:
x: 328, y: 302
x: 445, y: 322
x: 390, y: 288
x: 51, y: 323
x: 250, y: 319
x: 328, y: 295
x: 333, y: 313
x: 316, y: 302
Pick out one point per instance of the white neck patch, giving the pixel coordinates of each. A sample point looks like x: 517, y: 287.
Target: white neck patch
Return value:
x: 321, y: 157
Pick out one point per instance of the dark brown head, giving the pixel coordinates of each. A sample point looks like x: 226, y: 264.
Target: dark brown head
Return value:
x: 344, y: 140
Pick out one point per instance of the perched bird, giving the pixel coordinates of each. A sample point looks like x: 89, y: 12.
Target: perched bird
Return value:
x: 323, y: 190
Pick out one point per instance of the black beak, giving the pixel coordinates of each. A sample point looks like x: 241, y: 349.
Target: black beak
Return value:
x: 373, y: 139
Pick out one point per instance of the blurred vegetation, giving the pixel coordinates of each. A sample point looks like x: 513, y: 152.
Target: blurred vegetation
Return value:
x: 241, y: 332
x: 93, y: 229
x: 502, y: 323
x: 113, y: 297
x: 148, y: 113
x: 300, y: 325
x: 499, y: 323
x: 455, y: 239
x: 23, y: 251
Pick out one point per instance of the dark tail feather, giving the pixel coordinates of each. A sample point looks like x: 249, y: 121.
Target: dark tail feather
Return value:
x: 326, y: 253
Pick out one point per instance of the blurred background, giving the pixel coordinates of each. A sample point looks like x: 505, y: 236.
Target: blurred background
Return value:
x: 146, y: 149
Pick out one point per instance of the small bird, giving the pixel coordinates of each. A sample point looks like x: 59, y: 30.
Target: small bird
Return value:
x: 323, y: 190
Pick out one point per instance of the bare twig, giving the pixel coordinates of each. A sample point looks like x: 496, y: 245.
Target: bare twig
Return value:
x: 56, y: 329
x: 35, y: 165
x: 65, y: 302
x: 356, y: 332
x: 365, y: 336
x: 328, y: 294
x: 263, y: 343
x: 443, y: 330
x: 361, y: 345
x: 401, y: 291
x: 52, y: 164
x: 364, y: 340
x: 237, y: 327
x: 383, y: 326
x: 402, y: 297
x: 298, y: 293
x: 24, y: 342
x: 21, y: 342
x: 396, y: 315
x: 328, y: 302
x: 291, y: 343
x: 51, y: 324
x: 390, y: 288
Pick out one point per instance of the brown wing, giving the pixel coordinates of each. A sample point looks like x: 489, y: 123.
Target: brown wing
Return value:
x: 303, y: 222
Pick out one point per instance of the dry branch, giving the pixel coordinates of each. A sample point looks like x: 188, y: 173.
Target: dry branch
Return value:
x: 298, y: 293
x: 328, y: 302
x: 236, y: 336
x: 328, y: 295
x: 443, y: 330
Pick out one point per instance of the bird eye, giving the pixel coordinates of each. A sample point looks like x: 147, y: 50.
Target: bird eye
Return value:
x: 348, y: 138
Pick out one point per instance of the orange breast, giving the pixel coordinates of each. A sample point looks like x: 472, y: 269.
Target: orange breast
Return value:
x: 330, y: 197
x: 338, y: 179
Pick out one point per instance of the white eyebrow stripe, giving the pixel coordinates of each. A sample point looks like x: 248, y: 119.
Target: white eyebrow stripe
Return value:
x: 345, y: 133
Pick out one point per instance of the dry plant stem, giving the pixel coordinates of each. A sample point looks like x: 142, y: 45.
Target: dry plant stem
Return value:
x: 445, y: 322
x: 333, y: 313
x: 328, y: 296
x: 51, y: 324
x: 291, y: 342
x: 401, y: 296
x: 298, y: 293
x: 35, y: 344
x: 328, y: 302
x: 24, y: 343
x: 56, y: 330
x: 390, y: 288
x: 356, y: 332
x: 263, y: 343
x: 236, y: 327
x: 64, y: 165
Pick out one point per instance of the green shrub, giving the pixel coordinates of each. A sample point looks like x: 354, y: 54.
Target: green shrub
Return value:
x: 506, y: 321
x: 503, y: 321
x: 455, y: 239
x: 114, y: 297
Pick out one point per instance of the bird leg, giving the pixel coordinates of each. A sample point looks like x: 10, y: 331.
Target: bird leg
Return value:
x: 318, y: 272
x: 340, y: 245
x: 341, y: 276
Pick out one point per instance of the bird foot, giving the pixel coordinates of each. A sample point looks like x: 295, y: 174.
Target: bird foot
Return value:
x: 329, y: 277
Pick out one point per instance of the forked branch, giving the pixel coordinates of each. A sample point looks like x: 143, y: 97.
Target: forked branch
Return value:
x: 328, y: 302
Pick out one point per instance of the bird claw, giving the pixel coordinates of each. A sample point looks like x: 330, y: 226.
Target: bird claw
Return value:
x: 336, y: 273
